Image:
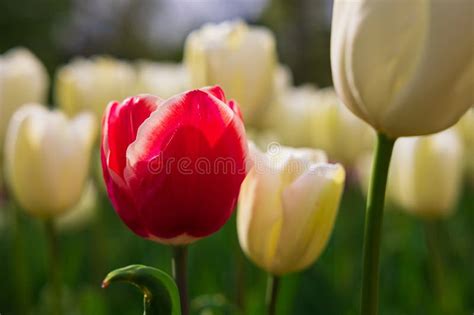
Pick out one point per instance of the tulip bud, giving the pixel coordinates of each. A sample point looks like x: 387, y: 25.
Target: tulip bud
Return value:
x: 90, y: 84
x: 23, y: 79
x: 164, y: 79
x: 240, y: 58
x: 337, y: 131
x: 287, y: 207
x: 465, y: 128
x: 429, y: 173
x: 404, y: 67
x: 173, y: 168
x: 47, y: 158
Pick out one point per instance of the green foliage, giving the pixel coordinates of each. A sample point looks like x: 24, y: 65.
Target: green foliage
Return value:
x: 217, y: 268
x: 160, y: 293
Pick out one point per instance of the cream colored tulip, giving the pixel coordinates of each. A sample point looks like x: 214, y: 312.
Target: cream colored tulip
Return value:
x: 428, y: 173
x: 337, y: 131
x: 90, y: 84
x: 405, y: 67
x: 287, y: 207
x: 466, y: 130
x: 239, y: 58
x: 291, y: 115
x: 162, y: 79
x: 23, y: 79
x: 47, y: 158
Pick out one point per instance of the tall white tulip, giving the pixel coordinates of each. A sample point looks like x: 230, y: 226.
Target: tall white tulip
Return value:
x: 90, y: 84
x: 164, y: 79
x: 240, y: 58
x: 405, y: 67
x: 428, y: 173
x: 23, y: 79
x: 287, y: 207
x: 47, y: 158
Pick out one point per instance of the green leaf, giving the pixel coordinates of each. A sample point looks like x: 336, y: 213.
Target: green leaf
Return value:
x: 160, y: 293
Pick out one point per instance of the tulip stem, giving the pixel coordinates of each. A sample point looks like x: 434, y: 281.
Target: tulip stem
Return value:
x: 180, y: 256
x: 373, y: 224
x: 54, y: 271
x: 435, y: 261
x: 273, y: 285
x: 21, y: 274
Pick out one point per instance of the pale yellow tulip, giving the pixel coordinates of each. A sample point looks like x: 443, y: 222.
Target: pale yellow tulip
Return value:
x: 47, y: 158
x: 163, y: 79
x: 287, y: 207
x: 23, y: 79
x: 428, y: 173
x: 239, y: 58
x: 90, y: 84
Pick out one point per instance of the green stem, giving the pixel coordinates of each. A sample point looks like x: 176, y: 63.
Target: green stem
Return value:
x: 21, y: 274
x: 54, y: 269
x: 273, y: 285
x: 373, y: 225
x: 240, y: 280
x: 435, y: 262
x: 180, y: 254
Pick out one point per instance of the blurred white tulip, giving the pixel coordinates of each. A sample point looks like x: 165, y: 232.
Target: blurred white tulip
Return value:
x: 405, y: 67
x: 162, y: 79
x: 239, y: 58
x: 307, y: 116
x: 428, y: 173
x: 337, y: 131
x: 90, y: 84
x: 290, y: 115
x: 23, y: 79
x: 47, y: 158
x: 287, y: 207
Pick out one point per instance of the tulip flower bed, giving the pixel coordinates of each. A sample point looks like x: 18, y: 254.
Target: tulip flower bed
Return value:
x: 217, y: 186
x: 328, y: 287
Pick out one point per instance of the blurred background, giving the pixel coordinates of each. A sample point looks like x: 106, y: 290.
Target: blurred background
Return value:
x: 416, y: 277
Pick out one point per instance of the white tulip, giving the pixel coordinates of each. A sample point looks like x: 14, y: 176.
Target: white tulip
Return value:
x: 287, y: 207
x: 428, y: 173
x: 47, y: 158
x: 162, y: 79
x: 239, y: 58
x: 23, y: 79
x: 90, y: 84
x: 291, y: 115
x: 337, y: 131
x: 405, y: 67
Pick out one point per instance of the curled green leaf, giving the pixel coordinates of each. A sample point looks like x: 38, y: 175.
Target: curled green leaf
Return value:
x: 160, y: 293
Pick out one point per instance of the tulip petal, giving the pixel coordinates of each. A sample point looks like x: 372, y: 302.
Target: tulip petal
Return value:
x: 121, y: 124
x: 310, y: 205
